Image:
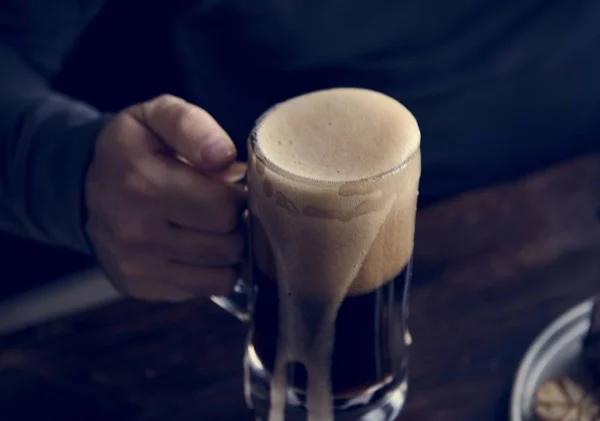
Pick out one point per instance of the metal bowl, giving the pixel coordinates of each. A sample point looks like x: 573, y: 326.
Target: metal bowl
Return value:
x: 555, y: 352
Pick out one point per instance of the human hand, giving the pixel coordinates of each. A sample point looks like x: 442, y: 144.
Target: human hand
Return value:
x: 163, y: 209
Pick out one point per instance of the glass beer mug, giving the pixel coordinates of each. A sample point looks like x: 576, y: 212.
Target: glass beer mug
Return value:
x: 333, y: 181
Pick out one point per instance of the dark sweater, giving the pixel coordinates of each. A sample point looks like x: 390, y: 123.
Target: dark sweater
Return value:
x: 499, y: 88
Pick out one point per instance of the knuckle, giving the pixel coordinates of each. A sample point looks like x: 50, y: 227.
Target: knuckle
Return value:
x: 110, y: 136
x: 122, y: 126
x: 126, y: 133
x: 120, y: 120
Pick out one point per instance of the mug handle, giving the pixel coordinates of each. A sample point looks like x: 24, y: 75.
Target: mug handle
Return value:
x: 239, y: 303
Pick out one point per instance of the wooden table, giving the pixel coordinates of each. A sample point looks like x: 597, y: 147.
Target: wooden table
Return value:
x: 492, y: 269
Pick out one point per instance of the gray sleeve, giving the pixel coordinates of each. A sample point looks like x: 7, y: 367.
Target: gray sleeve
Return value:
x: 46, y: 139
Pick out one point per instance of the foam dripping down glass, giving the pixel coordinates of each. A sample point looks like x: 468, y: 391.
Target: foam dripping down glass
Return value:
x: 333, y: 183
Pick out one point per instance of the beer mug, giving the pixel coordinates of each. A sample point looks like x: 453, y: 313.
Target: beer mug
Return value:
x: 333, y: 182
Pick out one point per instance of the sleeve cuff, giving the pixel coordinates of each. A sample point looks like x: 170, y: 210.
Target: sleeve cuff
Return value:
x: 62, y: 147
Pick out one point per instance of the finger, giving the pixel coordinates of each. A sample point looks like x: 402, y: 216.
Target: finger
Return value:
x: 192, y: 201
x: 158, y: 292
x: 199, y: 281
x: 202, y: 249
x: 235, y: 173
x: 218, y: 213
x: 189, y: 130
x: 154, y: 278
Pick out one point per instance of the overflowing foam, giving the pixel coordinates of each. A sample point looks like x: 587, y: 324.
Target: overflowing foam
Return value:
x: 339, y: 134
x: 334, y: 182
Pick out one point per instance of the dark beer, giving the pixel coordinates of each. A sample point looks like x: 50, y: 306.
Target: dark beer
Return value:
x: 369, y: 346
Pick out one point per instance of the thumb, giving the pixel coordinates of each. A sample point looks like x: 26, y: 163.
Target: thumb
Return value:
x: 192, y: 133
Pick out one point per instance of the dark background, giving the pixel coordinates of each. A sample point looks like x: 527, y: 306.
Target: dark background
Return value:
x: 129, y: 59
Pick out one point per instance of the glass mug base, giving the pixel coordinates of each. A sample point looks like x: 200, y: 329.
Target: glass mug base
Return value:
x: 382, y: 402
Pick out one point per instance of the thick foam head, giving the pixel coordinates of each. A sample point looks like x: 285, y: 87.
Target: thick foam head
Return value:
x: 334, y: 182
x: 338, y: 134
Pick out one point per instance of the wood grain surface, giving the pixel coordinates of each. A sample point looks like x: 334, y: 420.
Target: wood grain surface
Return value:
x: 492, y: 268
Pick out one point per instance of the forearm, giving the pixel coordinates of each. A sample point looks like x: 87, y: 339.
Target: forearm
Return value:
x: 46, y: 140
